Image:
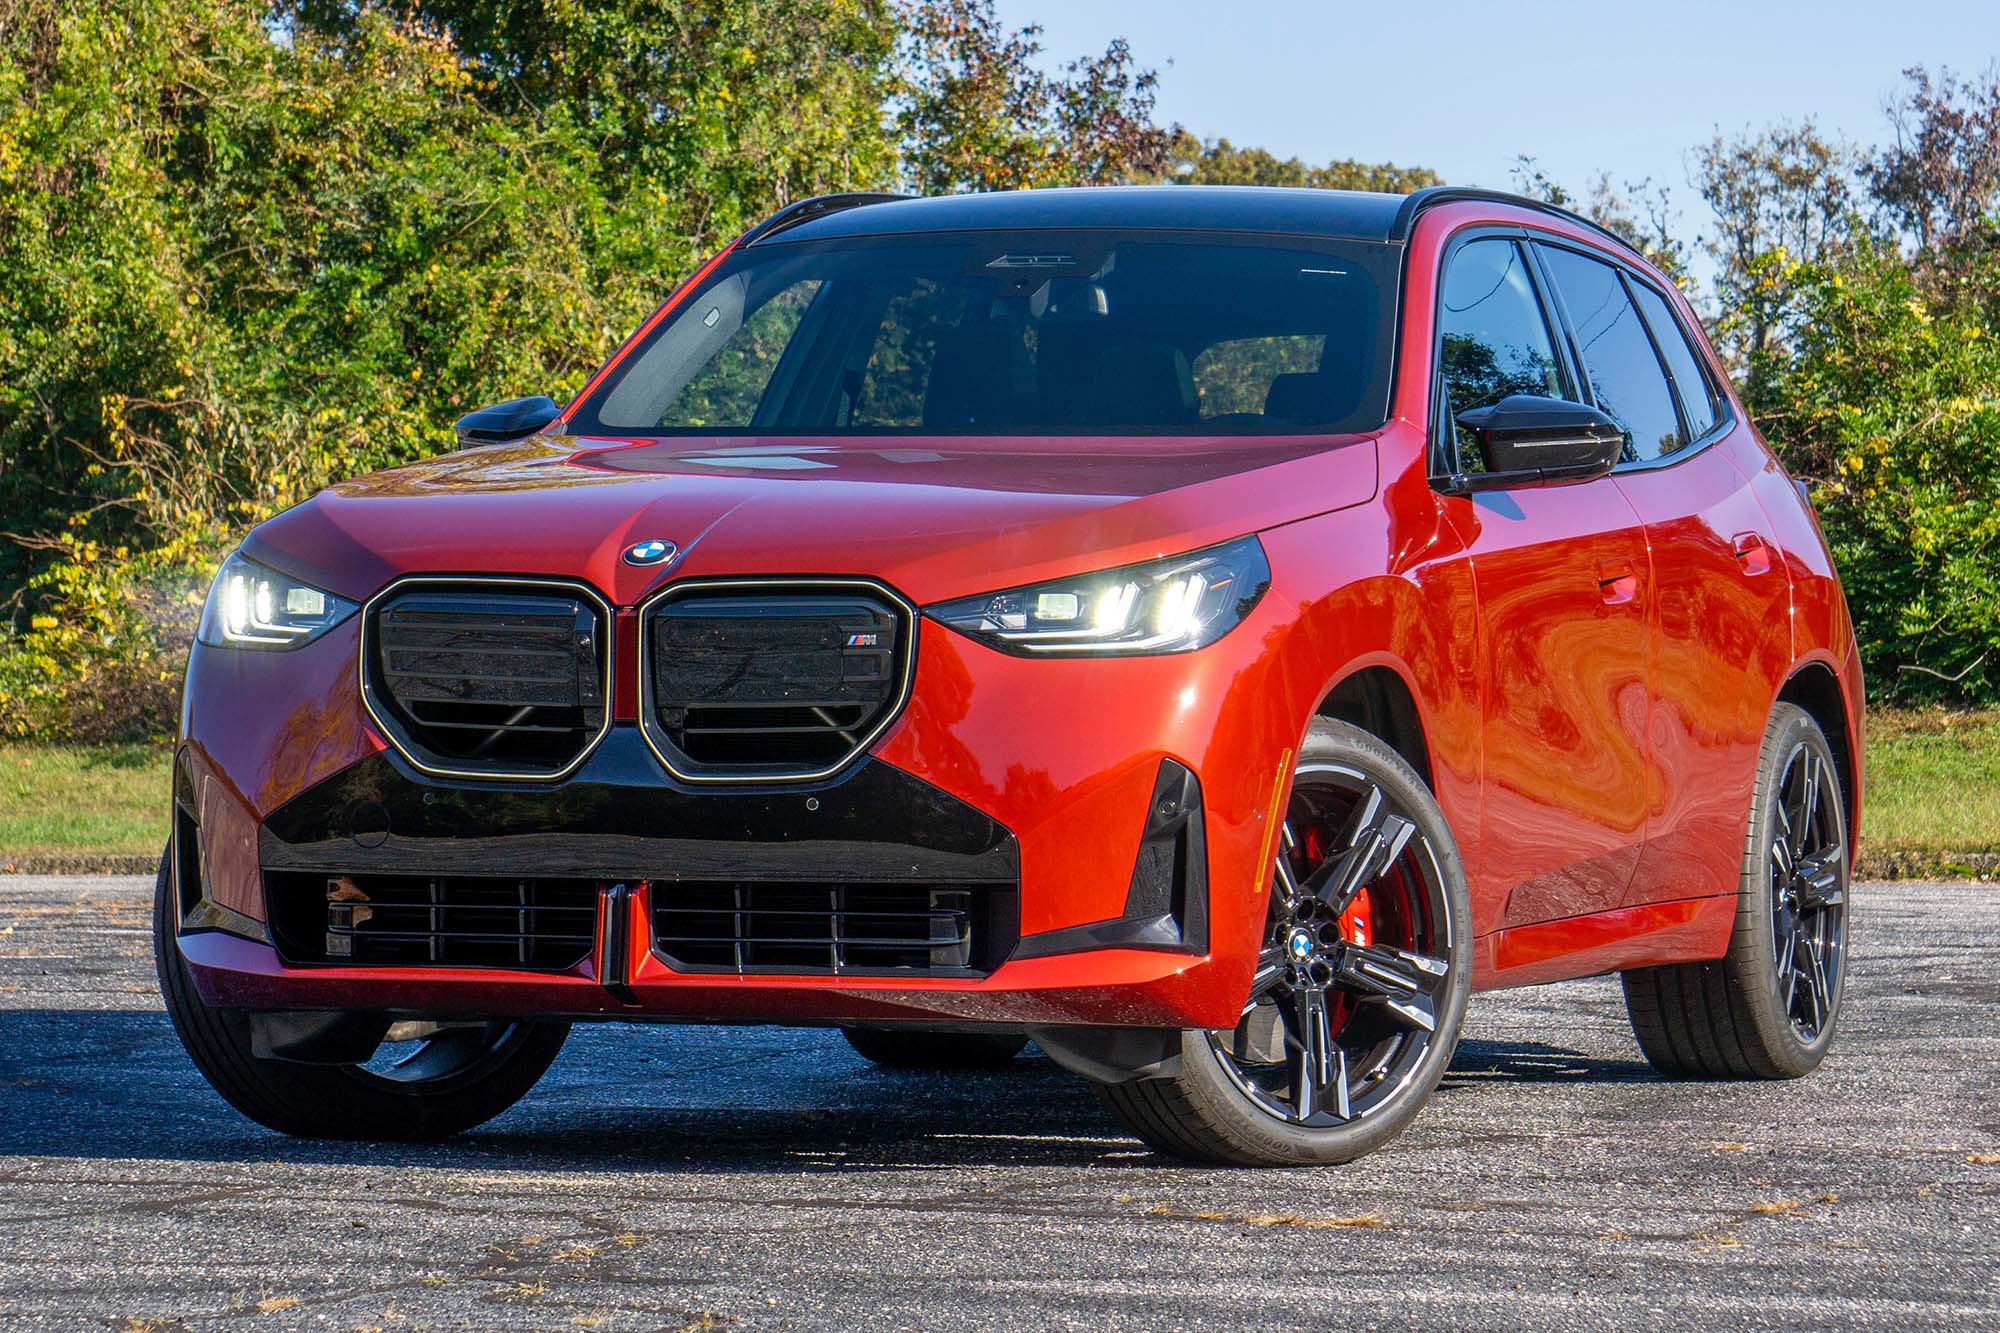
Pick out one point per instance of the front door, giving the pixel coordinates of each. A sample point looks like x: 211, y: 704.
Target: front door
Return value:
x: 1563, y: 594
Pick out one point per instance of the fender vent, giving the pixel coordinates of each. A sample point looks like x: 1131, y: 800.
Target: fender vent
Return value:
x: 487, y: 682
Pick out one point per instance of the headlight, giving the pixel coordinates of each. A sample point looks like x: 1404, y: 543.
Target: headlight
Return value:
x: 1166, y: 606
x: 250, y: 606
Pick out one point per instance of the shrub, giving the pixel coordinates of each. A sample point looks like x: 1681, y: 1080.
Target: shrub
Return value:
x: 1888, y: 396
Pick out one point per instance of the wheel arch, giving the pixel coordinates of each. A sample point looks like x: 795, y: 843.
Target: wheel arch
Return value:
x: 1815, y: 687
x: 1376, y: 698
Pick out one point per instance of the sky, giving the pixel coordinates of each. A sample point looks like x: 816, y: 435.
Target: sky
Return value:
x: 1464, y: 88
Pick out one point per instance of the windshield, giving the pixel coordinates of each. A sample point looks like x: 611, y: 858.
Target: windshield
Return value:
x: 1021, y: 333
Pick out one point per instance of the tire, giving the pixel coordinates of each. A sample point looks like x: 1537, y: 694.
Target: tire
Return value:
x: 894, y: 1049
x: 478, y: 1073
x: 1371, y: 1053
x: 1748, y: 1015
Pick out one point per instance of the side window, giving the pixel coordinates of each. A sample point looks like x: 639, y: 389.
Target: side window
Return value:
x: 1618, y: 356
x: 1697, y: 398
x: 1494, y: 340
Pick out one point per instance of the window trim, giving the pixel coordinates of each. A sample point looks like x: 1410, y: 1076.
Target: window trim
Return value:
x: 1443, y: 441
x: 1725, y: 413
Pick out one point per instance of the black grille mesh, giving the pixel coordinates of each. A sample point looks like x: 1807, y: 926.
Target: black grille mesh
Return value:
x: 773, y: 681
x: 487, y: 680
x: 825, y: 928
x: 433, y: 920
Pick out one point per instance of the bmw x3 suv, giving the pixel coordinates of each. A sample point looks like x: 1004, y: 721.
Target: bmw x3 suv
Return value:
x: 1209, y: 632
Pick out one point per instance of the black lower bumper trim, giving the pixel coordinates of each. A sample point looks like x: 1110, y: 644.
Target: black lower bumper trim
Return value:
x: 1166, y: 905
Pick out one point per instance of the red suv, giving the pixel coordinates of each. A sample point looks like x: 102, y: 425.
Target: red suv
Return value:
x: 1210, y: 632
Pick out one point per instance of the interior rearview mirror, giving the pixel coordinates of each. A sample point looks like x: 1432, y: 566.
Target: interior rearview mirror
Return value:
x: 511, y: 420
x: 1525, y: 440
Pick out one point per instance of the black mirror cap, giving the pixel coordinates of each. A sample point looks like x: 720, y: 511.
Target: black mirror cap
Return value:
x: 511, y: 420
x: 1526, y: 440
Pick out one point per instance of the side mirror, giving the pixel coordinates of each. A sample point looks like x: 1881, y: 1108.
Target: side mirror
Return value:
x: 1529, y: 441
x: 510, y: 420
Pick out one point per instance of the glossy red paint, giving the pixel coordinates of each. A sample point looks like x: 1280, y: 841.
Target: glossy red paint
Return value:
x: 1591, y: 667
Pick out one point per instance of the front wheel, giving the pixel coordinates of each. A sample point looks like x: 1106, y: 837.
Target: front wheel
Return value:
x: 425, y: 1081
x: 1360, y: 988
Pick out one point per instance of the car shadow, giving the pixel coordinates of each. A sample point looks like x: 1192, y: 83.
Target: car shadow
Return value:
x: 102, y: 1084
x: 1477, y: 1062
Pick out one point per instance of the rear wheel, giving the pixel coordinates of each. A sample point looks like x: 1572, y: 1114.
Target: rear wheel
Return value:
x: 1359, y: 991
x: 935, y: 1050
x: 1768, y: 1008
x: 425, y: 1081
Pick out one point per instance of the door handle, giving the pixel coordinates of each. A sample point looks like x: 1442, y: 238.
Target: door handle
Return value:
x: 1618, y: 581
x: 1752, y: 553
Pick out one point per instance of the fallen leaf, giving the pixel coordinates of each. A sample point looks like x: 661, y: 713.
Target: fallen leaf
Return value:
x: 277, y: 1303
x: 1983, y: 1158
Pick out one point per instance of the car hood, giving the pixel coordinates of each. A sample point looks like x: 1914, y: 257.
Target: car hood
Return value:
x: 933, y: 517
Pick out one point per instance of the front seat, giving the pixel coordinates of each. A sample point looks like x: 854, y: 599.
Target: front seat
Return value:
x: 1144, y: 384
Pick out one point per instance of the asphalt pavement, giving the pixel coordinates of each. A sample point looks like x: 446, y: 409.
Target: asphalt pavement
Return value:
x: 769, y: 1178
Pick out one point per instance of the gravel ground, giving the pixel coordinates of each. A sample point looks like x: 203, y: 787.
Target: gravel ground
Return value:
x: 724, y: 1178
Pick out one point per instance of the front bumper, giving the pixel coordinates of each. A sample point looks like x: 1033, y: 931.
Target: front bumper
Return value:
x: 1037, y: 781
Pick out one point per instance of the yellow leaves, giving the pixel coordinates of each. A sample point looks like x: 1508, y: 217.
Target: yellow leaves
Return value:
x: 42, y: 622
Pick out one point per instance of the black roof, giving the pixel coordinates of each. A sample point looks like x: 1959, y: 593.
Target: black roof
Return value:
x: 1344, y: 213
x: 1349, y: 214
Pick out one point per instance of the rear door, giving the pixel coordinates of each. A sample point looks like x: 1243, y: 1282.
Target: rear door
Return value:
x: 1562, y: 596
x: 1721, y: 597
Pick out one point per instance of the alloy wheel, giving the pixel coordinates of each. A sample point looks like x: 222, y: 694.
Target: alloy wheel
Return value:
x: 1808, y: 873
x: 1344, y: 1004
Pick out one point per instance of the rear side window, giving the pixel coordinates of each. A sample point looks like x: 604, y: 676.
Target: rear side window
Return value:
x: 1494, y: 339
x: 1697, y: 399
x: 1618, y: 357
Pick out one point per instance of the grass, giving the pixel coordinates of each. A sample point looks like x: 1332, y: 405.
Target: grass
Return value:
x: 82, y: 800
x: 1933, y: 800
x: 1933, y: 786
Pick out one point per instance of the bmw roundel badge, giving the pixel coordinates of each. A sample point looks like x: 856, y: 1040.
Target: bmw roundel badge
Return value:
x: 654, y: 552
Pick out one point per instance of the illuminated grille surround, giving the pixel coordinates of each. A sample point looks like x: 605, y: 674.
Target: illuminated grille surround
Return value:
x: 383, y: 713
x: 687, y: 770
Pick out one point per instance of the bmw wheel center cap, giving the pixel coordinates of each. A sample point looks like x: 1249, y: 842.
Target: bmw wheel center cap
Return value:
x: 653, y: 552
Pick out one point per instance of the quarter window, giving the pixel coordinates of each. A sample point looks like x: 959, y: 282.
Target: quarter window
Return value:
x: 1618, y: 356
x: 1697, y: 402
x: 1494, y: 339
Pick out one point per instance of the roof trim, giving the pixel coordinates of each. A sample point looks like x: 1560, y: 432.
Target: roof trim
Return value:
x: 819, y: 206
x: 1414, y: 206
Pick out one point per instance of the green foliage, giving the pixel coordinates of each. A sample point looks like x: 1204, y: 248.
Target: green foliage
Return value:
x: 244, y: 253
x: 1193, y: 161
x: 1891, y: 402
x: 976, y: 111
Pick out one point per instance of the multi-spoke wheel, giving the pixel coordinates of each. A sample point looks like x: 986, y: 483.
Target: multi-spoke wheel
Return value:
x: 425, y: 1080
x: 1356, y: 999
x: 1768, y: 1008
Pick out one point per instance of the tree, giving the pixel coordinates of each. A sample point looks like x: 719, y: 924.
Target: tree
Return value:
x: 1192, y: 161
x: 1786, y: 190
x: 1939, y: 180
x: 974, y: 110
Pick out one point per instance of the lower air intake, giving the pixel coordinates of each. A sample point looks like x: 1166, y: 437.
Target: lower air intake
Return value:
x: 816, y: 929
x: 542, y: 925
